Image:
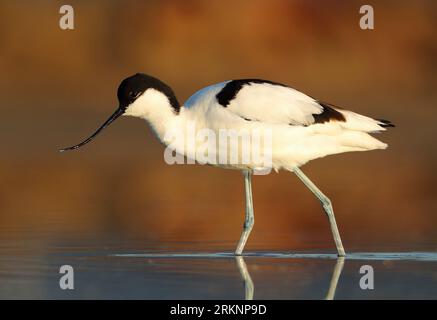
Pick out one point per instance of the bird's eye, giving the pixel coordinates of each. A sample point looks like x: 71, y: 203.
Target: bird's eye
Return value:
x: 134, y: 95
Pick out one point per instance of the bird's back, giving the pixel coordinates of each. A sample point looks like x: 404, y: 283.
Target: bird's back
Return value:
x: 302, y: 127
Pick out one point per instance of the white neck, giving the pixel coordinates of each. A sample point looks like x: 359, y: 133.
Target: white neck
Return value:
x: 154, y: 107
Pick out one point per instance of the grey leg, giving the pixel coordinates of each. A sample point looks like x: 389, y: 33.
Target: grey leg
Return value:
x: 327, y: 206
x: 249, y: 218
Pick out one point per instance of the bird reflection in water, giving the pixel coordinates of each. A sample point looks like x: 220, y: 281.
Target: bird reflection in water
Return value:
x: 248, y: 283
x: 249, y: 287
x: 335, y: 277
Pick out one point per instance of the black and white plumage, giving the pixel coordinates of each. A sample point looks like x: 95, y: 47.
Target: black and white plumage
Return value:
x: 302, y: 128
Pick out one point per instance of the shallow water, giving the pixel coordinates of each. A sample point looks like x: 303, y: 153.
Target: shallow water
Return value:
x: 152, y: 271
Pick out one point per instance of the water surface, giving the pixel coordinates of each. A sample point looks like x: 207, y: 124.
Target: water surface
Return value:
x: 152, y: 271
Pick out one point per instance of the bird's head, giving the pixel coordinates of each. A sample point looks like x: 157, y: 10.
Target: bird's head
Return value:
x: 141, y: 96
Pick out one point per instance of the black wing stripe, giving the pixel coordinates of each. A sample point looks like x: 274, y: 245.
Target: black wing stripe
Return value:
x: 231, y: 89
x: 328, y: 114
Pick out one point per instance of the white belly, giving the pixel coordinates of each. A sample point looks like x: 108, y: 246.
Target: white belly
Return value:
x: 254, y: 145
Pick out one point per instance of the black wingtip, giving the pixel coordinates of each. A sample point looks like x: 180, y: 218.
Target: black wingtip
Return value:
x: 386, y: 123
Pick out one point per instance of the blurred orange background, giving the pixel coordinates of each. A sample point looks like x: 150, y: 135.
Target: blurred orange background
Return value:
x: 58, y: 86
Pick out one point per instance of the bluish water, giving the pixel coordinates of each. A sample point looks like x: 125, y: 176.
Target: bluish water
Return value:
x: 364, y: 256
x: 152, y: 271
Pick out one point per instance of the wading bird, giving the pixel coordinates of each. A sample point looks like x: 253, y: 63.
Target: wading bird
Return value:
x: 302, y: 128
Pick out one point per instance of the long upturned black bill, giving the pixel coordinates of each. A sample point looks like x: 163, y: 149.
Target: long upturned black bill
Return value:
x: 114, y: 116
